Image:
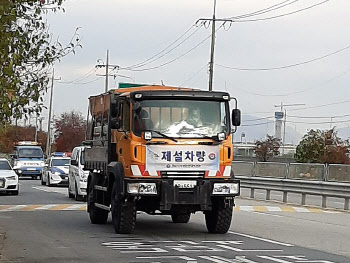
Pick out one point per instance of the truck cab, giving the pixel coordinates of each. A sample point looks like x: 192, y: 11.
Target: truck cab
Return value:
x: 28, y: 159
x: 161, y: 150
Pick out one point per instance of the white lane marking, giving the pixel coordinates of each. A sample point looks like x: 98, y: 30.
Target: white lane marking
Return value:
x: 265, y: 214
x: 273, y: 209
x: 250, y: 250
x: 52, y: 190
x: 262, y: 239
x: 45, y: 207
x: 275, y: 259
x: 216, y: 260
x: 246, y: 208
x: 14, y: 208
x: 75, y: 207
x: 301, y: 209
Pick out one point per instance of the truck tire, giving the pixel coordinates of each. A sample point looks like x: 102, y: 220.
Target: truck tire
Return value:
x: 218, y: 220
x: 97, y: 215
x: 181, y: 218
x: 123, y: 215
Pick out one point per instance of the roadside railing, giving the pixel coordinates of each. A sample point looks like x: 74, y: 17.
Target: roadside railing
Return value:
x: 331, y: 180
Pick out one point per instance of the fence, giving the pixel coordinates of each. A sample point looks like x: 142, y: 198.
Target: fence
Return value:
x: 331, y: 180
x: 298, y: 171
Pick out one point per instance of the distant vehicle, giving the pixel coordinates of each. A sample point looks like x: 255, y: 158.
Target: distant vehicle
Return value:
x: 8, y: 178
x: 28, y: 159
x: 77, y: 176
x: 55, y: 171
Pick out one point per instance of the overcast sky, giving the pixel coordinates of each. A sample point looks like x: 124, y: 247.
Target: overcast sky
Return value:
x: 136, y: 30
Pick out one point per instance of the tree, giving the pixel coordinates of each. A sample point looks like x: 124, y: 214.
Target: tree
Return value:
x: 27, y: 54
x: 322, y: 147
x: 70, y: 131
x: 267, y: 148
x: 11, y: 134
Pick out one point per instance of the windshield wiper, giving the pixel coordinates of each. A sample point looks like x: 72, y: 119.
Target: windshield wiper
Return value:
x: 164, y: 136
x: 204, y: 136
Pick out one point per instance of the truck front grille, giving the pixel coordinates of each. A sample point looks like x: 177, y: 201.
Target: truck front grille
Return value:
x: 182, y: 174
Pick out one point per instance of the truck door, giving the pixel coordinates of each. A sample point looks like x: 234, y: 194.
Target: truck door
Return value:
x: 123, y: 135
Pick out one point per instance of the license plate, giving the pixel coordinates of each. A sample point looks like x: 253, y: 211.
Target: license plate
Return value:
x: 31, y: 169
x: 185, y: 184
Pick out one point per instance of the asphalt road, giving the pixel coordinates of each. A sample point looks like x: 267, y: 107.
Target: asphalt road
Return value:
x: 43, y: 225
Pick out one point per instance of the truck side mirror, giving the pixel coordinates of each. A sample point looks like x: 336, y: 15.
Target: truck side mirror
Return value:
x: 115, y: 124
x: 236, y: 117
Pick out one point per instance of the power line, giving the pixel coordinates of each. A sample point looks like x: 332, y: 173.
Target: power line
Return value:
x: 257, y: 124
x: 287, y: 66
x: 85, y: 76
x: 263, y: 118
x: 193, y: 76
x: 320, y: 106
x: 282, y: 15
x: 173, y: 60
x: 155, y: 57
x: 265, y: 10
x: 319, y: 117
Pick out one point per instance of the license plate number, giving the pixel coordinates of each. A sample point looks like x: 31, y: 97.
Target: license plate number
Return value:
x: 31, y: 169
x: 185, y: 184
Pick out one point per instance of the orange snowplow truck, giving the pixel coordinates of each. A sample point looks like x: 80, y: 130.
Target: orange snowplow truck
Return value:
x: 161, y: 150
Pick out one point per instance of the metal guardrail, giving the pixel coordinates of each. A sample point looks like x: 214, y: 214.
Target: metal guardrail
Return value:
x: 331, y: 180
x: 320, y: 188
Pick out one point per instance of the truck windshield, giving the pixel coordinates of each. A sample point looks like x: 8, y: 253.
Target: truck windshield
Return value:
x: 30, y: 153
x: 182, y: 118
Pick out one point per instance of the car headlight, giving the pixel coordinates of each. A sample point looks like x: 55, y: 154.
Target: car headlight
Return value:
x: 57, y: 173
x: 42, y: 164
x: 225, y: 188
x: 13, y: 178
x: 142, y: 188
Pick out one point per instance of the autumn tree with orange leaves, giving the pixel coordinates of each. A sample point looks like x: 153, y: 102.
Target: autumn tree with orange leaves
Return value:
x: 70, y: 131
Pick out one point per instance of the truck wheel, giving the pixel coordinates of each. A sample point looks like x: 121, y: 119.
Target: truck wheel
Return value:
x: 123, y: 215
x: 97, y: 215
x: 218, y: 220
x: 182, y: 218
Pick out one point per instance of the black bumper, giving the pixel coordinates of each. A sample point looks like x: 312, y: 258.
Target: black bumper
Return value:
x: 169, y: 195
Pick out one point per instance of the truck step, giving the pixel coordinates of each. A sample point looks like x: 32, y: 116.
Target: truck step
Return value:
x: 104, y: 207
x: 101, y: 188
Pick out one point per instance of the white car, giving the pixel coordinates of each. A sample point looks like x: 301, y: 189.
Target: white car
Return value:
x: 77, y: 176
x: 55, y: 171
x: 8, y: 178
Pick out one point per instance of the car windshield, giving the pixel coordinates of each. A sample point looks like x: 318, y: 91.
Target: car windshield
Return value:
x: 4, y: 165
x: 30, y: 153
x: 60, y: 162
x: 182, y: 118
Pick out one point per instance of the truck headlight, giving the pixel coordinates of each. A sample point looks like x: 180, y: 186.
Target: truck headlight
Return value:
x: 142, y: 188
x: 225, y: 188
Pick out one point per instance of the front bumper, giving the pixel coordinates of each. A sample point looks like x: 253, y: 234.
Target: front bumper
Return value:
x: 58, y: 179
x: 168, y: 196
x: 28, y: 171
x: 8, y: 185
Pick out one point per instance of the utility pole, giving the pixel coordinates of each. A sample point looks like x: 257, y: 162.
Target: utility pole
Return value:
x: 48, y: 142
x: 107, y: 66
x: 212, y: 48
x: 285, y: 120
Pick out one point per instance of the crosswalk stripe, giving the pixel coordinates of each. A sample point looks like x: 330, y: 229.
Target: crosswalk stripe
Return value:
x: 82, y: 207
x: 60, y: 207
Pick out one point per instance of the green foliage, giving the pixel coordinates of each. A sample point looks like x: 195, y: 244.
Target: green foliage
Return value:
x: 322, y: 147
x: 27, y: 54
x: 267, y: 148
